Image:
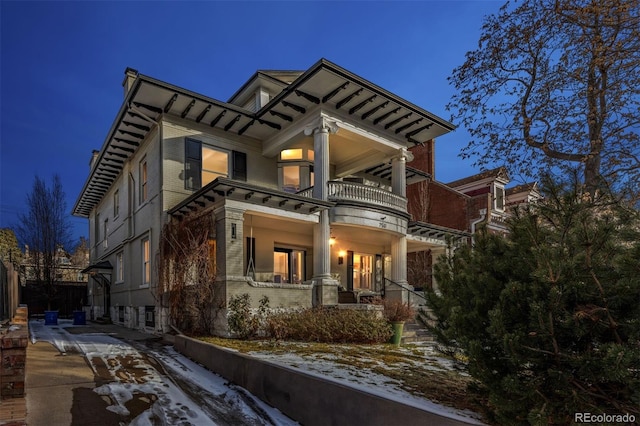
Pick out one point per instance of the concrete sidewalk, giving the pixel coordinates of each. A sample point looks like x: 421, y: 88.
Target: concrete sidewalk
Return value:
x: 57, y: 385
x: 51, y: 383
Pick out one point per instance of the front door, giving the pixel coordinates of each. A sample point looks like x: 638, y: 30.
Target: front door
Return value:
x: 362, y: 271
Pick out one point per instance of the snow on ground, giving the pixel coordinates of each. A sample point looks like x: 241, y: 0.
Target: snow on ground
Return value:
x: 173, y: 389
x: 180, y: 391
x: 419, y: 355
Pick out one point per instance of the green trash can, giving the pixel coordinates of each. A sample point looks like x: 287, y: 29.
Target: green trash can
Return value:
x: 398, y: 327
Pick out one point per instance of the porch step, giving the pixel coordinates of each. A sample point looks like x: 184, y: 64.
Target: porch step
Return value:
x: 415, y: 332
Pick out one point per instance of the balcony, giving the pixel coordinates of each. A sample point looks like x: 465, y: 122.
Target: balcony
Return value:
x: 359, y: 193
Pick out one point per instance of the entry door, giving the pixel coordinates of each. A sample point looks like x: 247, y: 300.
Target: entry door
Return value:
x: 289, y: 265
x: 363, y: 271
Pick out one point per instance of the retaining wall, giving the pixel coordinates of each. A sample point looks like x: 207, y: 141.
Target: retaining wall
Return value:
x: 308, y: 399
x: 13, y: 356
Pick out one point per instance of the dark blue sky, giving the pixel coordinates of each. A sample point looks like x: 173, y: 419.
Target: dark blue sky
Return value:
x: 62, y: 65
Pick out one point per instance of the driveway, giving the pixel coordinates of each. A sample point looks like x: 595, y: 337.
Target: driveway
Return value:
x: 139, y: 380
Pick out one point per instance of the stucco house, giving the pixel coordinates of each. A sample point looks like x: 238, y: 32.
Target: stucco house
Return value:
x: 304, y: 174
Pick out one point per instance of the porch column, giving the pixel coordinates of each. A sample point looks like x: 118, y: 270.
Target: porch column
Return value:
x: 320, y: 131
x: 230, y: 241
x: 398, y: 271
x: 325, y: 288
x: 435, y: 256
x: 399, y: 172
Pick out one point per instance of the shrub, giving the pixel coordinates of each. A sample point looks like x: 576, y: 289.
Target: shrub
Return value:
x: 396, y: 311
x: 548, y: 316
x: 244, y: 321
x: 329, y: 325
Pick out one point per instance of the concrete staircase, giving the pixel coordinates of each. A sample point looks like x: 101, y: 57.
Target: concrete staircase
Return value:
x: 415, y: 331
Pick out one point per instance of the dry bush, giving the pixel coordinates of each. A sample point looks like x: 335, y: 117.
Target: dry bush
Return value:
x: 329, y: 325
x: 186, y: 274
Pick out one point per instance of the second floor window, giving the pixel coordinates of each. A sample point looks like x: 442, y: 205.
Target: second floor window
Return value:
x: 499, y: 198
x: 116, y: 203
x: 143, y: 181
x: 204, y: 163
x: 296, y: 169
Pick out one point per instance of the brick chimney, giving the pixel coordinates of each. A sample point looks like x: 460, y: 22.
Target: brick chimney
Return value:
x: 424, y: 157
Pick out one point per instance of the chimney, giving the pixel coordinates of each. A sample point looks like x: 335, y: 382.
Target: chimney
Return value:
x: 94, y: 158
x: 130, y: 76
x: 424, y: 157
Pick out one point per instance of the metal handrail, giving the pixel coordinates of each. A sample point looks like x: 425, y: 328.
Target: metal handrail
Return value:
x: 405, y: 288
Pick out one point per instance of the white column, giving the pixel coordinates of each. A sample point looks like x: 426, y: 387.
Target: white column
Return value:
x: 326, y: 289
x: 399, y: 172
x: 398, y: 271
x: 435, y: 256
x: 321, y: 247
x: 320, y: 131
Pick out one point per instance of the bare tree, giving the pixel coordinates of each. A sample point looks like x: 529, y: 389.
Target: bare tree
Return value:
x: 44, y: 229
x: 555, y: 83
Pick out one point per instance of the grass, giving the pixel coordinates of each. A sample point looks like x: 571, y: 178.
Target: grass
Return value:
x: 416, y: 369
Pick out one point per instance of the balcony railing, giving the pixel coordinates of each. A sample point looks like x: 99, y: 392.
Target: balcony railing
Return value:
x: 351, y: 191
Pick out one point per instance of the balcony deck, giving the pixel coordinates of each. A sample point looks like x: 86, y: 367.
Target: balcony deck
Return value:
x: 365, y: 194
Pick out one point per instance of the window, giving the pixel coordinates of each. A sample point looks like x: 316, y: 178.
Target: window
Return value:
x: 204, y: 163
x: 150, y: 316
x: 116, y: 203
x: 291, y: 154
x: 119, y: 267
x: 288, y: 265
x: 214, y: 163
x: 499, y: 197
x: 105, y: 232
x: 97, y: 229
x: 291, y: 178
x: 146, y: 262
x: 143, y: 181
x: 296, y: 169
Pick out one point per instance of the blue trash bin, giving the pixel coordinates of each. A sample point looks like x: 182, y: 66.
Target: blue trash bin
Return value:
x: 79, y: 318
x: 50, y: 317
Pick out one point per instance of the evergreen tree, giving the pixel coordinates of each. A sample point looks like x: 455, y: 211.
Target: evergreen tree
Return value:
x: 549, y: 316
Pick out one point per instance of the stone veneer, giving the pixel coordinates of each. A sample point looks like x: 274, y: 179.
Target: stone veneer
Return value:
x: 13, y: 355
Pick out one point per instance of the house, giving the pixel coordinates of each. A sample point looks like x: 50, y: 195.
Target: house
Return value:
x: 303, y: 175
x: 464, y: 205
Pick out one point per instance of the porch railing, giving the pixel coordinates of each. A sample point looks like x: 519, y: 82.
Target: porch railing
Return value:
x: 420, y: 299
x: 352, y: 191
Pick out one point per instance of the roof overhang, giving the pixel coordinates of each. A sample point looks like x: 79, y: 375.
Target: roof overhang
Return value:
x: 323, y: 84
x: 427, y: 231
x: 224, y: 188
x: 98, y: 268
x: 334, y: 87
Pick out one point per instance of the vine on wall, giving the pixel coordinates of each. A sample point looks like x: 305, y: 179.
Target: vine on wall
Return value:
x: 187, y: 275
